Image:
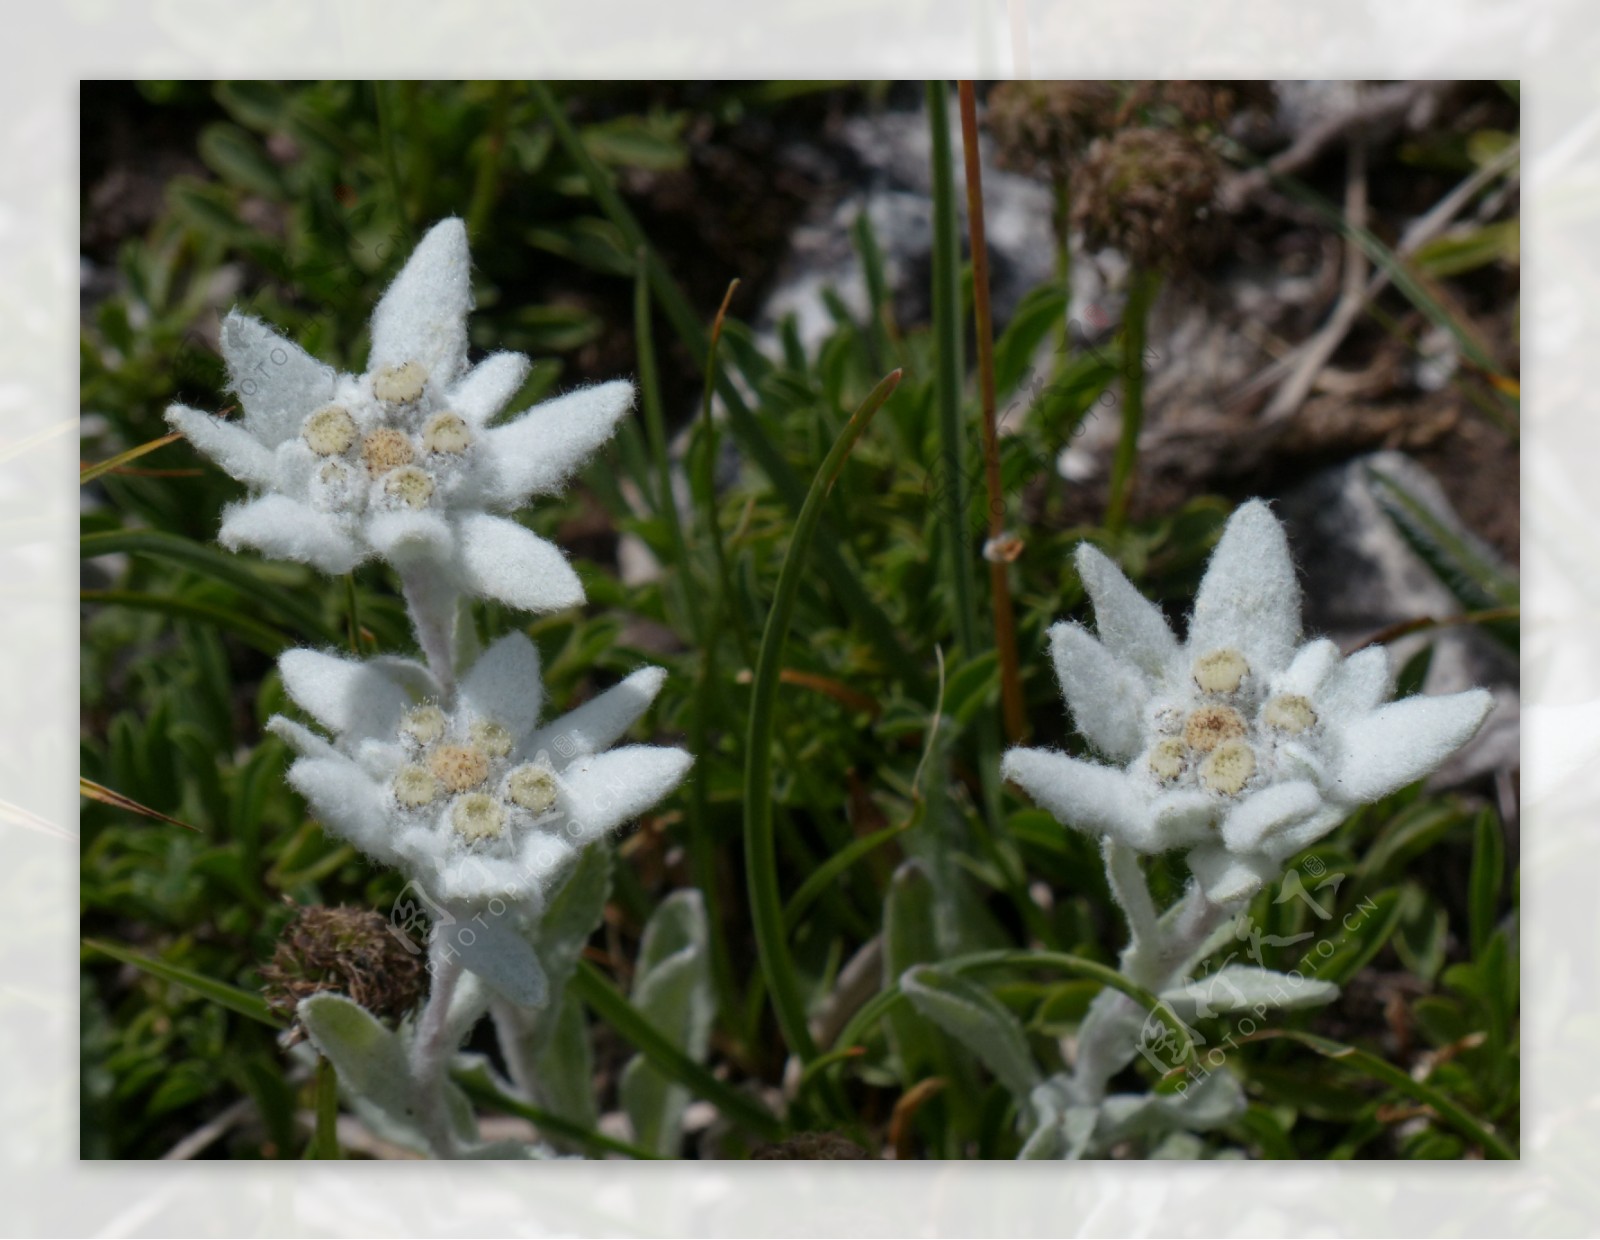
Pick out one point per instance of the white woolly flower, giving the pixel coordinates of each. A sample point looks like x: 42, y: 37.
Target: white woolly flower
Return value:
x: 472, y: 799
x: 1240, y: 745
x: 401, y: 462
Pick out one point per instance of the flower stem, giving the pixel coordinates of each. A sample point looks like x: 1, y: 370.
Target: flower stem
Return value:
x: 1160, y: 952
x: 432, y: 1047
x: 432, y: 603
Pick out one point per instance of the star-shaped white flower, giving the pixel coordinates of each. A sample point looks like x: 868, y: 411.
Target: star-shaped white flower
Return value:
x: 473, y: 800
x: 401, y: 462
x: 1240, y: 745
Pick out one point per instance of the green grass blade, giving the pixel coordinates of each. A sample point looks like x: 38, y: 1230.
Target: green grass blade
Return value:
x: 825, y: 874
x: 325, y: 1139
x: 226, y: 569
x: 610, y: 1006
x: 843, y: 578
x: 1487, y: 879
x: 1142, y: 286
x: 231, y: 997
x: 760, y: 850
x: 948, y: 374
x: 656, y: 427
x: 478, y: 1087
x: 1468, y: 1125
x: 263, y: 637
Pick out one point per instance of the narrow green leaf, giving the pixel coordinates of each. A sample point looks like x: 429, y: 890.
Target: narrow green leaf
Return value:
x: 766, y: 901
x: 589, y: 985
x: 1036, y: 314
x: 826, y: 874
x: 325, y: 1140
x: 1375, y: 921
x: 229, y: 570
x: 1463, y: 1121
x: 947, y: 334
x: 220, y: 993
x: 478, y: 1087
x: 262, y: 636
x: 1487, y: 879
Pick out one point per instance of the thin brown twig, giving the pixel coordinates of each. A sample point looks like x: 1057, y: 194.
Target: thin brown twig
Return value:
x: 1005, y: 635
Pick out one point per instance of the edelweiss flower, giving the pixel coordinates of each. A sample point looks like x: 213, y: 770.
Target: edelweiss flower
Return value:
x: 473, y: 800
x: 401, y: 462
x: 1240, y: 744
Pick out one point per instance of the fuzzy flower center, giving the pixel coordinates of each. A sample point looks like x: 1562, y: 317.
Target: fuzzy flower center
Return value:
x: 385, y: 449
x: 413, y: 487
x: 399, y: 385
x: 1210, y: 726
x: 477, y: 817
x: 396, y: 450
x: 1223, y: 739
x: 447, y: 433
x: 467, y: 764
x: 330, y: 431
x: 1220, y: 671
x: 459, y: 767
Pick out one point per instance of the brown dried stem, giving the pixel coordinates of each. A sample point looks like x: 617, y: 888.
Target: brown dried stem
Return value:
x: 1005, y: 635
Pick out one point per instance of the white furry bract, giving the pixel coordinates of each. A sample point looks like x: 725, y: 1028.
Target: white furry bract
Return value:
x: 1241, y: 744
x: 471, y: 798
x: 401, y: 462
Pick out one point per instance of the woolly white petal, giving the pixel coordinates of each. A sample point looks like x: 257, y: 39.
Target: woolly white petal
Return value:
x: 300, y: 738
x: 347, y: 696
x: 1226, y: 877
x: 1129, y: 624
x: 1404, y: 741
x: 293, y: 464
x: 484, y: 390
x: 278, y: 383
x: 1249, y: 599
x: 1268, y: 811
x: 408, y: 537
x: 1105, y: 695
x: 503, y: 686
x: 1313, y: 664
x: 605, y: 790
x: 410, y: 675
x: 491, y: 946
x: 279, y: 527
x: 1183, y: 817
x: 1291, y: 839
x: 1356, y: 686
x: 500, y: 559
x: 541, y: 448
x: 600, y: 722
x: 347, y: 802
x: 422, y: 317
x: 227, y: 443
x: 1087, y: 796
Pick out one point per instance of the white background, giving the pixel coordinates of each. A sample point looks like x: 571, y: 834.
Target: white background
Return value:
x: 1551, y: 45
